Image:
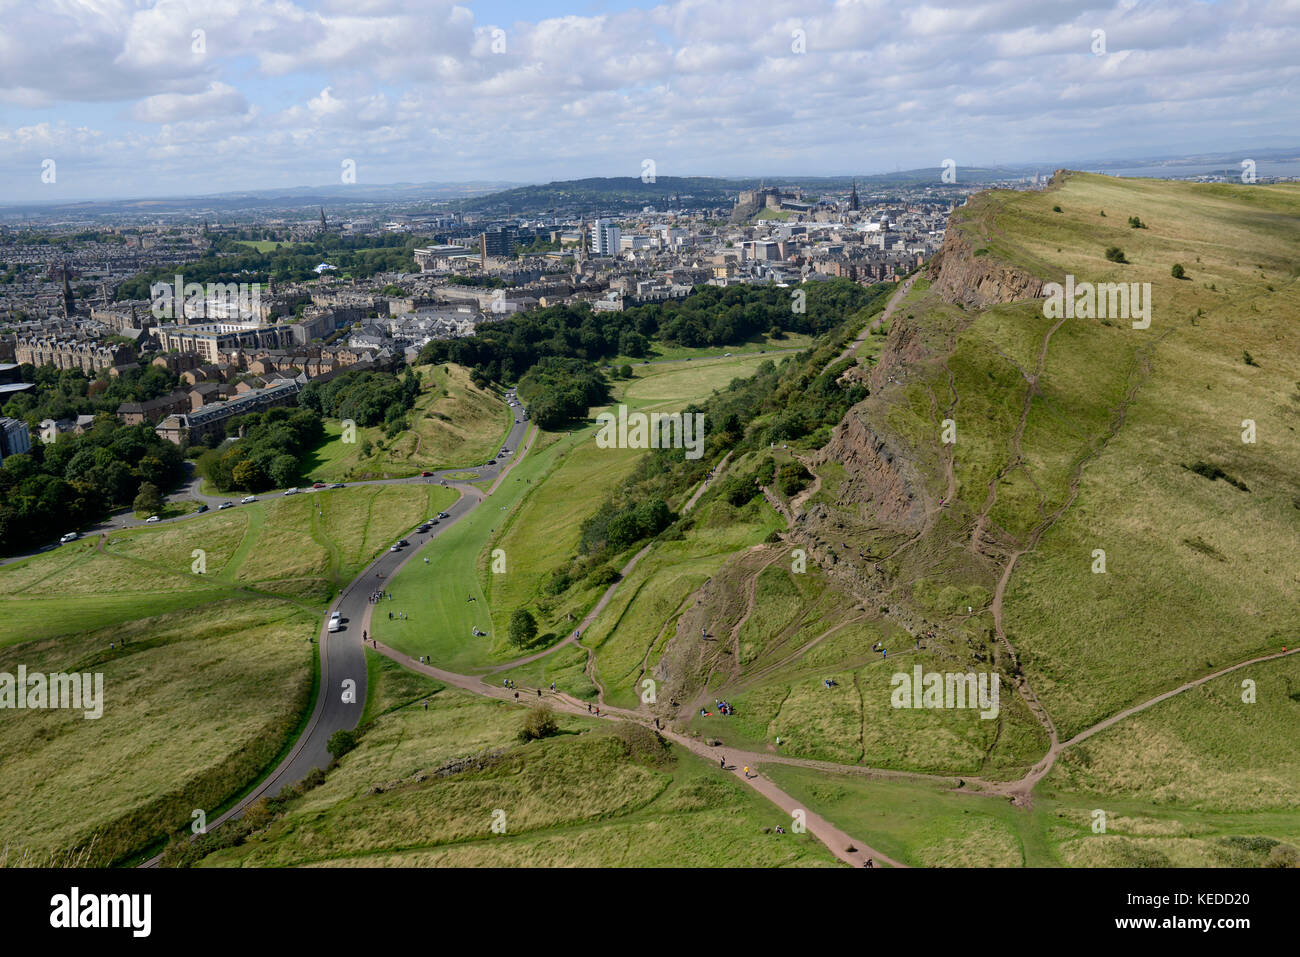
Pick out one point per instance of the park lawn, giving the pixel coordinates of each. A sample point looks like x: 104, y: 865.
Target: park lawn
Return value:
x: 454, y: 423
x: 195, y: 706
x: 434, y: 596
x: 662, y: 351
x: 584, y: 797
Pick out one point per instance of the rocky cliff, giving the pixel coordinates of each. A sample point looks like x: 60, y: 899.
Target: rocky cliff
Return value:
x: 958, y: 274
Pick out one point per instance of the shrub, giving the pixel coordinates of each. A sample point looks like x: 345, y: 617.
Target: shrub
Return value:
x: 1115, y: 255
x: 341, y: 742
x: 1177, y: 271
x: 538, y: 723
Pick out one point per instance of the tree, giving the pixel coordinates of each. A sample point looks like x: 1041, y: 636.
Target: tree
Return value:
x: 523, y: 628
x: 1115, y: 255
x: 1177, y: 272
x: 149, y: 499
x: 284, y: 471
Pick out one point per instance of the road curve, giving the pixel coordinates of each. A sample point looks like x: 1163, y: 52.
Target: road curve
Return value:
x: 341, y: 697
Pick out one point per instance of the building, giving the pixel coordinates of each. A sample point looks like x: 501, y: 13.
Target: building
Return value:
x: 210, y: 340
x: 188, y: 428
x: 15, y: 438
x: 83, y: 354
x: 606, y: 238
x: 500, y: 242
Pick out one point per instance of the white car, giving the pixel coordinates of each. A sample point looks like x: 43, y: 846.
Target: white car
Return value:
x: 291, y: 491
x: 335, y: 625
x: 151, y: 519
x: 336, y: 616
x: 247, y: 498
x: 70, y: 537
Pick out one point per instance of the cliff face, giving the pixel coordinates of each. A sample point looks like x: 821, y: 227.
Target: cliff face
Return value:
x: 958, y: 275
x: 878, y: 474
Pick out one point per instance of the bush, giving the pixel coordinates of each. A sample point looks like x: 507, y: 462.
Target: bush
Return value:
x: 341, y: 742
x: 1177, y: 271
x: 1115, y: 255
x: 539, y: 723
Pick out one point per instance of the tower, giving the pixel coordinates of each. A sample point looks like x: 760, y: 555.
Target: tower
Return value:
x: 853, y: 197
x: 69, y: 303
x: 323, y: 227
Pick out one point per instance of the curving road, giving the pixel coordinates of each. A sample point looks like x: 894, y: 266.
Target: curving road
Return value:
x: 341, y: 698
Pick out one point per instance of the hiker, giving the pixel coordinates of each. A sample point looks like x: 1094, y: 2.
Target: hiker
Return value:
x: 588, y: 707
x: 747, y: 771
x: 722, y: 763
x: 539, y: 692
x: 598, y: 712
x: 426, y: 704
x: 870, y: 863
x: 516, y: 695
x: 552, y: 685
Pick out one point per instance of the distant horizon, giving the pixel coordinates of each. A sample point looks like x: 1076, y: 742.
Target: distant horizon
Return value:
x: 482, y: 186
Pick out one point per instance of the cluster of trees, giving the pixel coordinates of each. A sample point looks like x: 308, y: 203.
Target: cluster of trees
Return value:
x: 710, y: 316
x: 79, y: 478
x: 559, y: 390
x: 232, y: 261
x: 67, y: 393
x: 269, y: 454
x: 367, y: 397
x: 614, y: 529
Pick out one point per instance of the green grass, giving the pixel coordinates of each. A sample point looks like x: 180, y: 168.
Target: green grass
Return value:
x: 215, y: 674
x: 196, y: 704
x: 581, y: 799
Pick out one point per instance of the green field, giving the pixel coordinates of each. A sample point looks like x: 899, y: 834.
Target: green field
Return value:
x: 588, y: 797
x: 533, y: 518
x: 213, y: 680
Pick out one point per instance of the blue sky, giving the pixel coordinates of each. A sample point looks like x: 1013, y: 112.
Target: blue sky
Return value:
x: 284, y: 92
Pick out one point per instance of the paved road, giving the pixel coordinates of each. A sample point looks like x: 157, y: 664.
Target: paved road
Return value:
x: 342, y: 658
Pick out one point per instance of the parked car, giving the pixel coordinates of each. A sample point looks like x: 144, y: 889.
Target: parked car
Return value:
x: 335, y: 616
x: 335, y: 625
x: 318, y: 485
x: 396, y: 548
x: 443, y: 515
x: 338, y: 485
x: 403, y: 542
x: 70, y: 537
x: 247, y: 498
x: 225, y: 505
x: 151, y: 519
x: 201, y: 508
x: 291, y: 491
x: 425, y: 474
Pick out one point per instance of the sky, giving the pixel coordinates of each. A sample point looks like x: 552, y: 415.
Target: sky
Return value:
x: 128, y: 98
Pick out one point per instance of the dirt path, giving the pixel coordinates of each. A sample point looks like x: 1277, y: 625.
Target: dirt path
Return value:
x: 844, y: 847
x: 894, y: 302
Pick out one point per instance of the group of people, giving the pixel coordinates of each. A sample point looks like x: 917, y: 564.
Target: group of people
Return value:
x: 724, y: 707
x: 400, y: 615
x: 375, y: 596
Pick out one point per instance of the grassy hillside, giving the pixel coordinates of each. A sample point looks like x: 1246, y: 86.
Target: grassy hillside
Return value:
x: 453, y: 423
x: 214, y: 677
